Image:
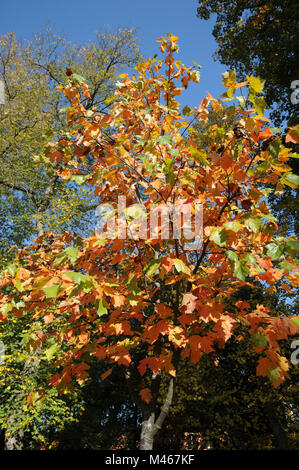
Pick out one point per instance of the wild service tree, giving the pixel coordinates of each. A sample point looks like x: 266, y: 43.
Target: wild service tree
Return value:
x: 140, y: 303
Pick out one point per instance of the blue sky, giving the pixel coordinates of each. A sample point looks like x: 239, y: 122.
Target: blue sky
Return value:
x: 155, y: 18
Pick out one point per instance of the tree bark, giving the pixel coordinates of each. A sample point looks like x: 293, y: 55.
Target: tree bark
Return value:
x: 149, y: 426
x: 278, y: 431
x: 13, y: 440
x: 147, y: 430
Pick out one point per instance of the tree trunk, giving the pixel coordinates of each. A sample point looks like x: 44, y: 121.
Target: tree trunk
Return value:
x: 278, y: 431
x: 13, y: 440
x: 147, y: 431
x: 149, y: 426
x: 14, y: 437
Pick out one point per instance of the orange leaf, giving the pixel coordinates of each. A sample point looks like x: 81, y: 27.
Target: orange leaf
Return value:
x: 65, y: 174
x: 263, y: 366
x: 106, y: 374
x: 146, y: 395
x: 265, y: 134
x: 163, y: 310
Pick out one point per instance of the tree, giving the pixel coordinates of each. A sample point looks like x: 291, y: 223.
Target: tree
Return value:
x: 33, y: 198
x: 260, y: 38
x: 144, y: 302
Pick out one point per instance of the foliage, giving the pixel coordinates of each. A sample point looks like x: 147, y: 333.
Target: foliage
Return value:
x: 33, y: 199
x: 259, y: 38
x: 174, y: 306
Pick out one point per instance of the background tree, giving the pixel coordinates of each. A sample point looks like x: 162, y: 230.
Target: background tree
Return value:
x: 246, y: 411
x: 34, y: 199
x: 259, y: 37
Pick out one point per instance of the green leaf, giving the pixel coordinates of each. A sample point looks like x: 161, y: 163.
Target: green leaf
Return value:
x: 101, y: 309
x: 258, y: 339
x: 49, y: 353
x: 6, y: 308
x: 242, y: 101
x: 290, y: 179
x: 259, y: 104
x: 18, y: 304
x: 51, y: 291
x: 79, y: 179
x: 274, y: 148
x: 287, y: 266
x: 132, y: 286
x: 232, y: 256
x: 241, y: 271
x: 152, y: 267
x: 169, y: 171
x: 60, y: 259
x: 19, y: 286
x: 135, y: 211
x: 295, y: 322
x: 186, y: 111
x: 274, y: 374
x: 77, y: 78
x: 149, y: 167
x: 274, y: 250
x: 251, y: 260
x: 72, y: 253
x: 165, y: 140
x: 293, y: 245
x: 83, y: 281
x: 181, y: 267
x: 267, y: 191
x: 239, y: 268
x: 12, y: 268
x: 253, y: 223
x: 198, y: 155
x: 234, y: 226
x: 218, y: 236
x: 174, y: 152
x: 77, y: 277
x: 264, y: 166
x: 64, y: 110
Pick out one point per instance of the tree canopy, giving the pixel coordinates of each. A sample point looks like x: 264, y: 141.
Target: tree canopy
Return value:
x: 174, y: 305
x: 260, y: 38
x: 33, y: 199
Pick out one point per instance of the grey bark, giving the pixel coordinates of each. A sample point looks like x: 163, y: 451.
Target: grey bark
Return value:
x: 13, y: 440
x: 149, y: 426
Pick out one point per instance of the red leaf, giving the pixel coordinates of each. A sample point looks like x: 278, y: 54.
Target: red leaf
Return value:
x: 146, y: 395
x: 106, y: 374
x: 263, y: 366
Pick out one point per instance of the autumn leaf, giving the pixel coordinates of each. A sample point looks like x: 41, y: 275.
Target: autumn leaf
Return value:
x: 146, y: 395
x: 189, y: 302
x: 106, y: 374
